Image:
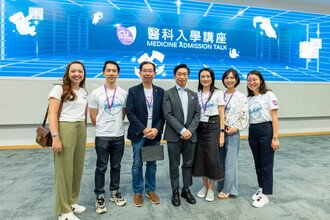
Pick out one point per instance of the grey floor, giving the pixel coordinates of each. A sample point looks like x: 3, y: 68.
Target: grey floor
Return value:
x: 301, y: 186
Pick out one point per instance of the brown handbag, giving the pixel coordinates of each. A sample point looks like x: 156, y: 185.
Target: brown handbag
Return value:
x: 44, y: 137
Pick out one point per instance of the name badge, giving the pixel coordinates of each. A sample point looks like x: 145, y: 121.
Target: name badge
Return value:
x: 204, y: 118
x: 110, y: 118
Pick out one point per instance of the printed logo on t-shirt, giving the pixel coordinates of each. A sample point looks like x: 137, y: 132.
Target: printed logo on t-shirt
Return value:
x: 208, y: 108
x: 115, y: 108
x: 275, y: 102
x: 255, y: 110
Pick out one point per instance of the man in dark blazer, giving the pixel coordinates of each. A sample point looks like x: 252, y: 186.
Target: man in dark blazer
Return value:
x: 182, y: 114
x: 146, y: 122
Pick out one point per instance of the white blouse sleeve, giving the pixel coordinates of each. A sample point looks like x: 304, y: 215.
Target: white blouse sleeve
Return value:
x: 244, y: 114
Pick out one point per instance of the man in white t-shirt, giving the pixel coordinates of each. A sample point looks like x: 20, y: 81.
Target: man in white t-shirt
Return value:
x: 107, y: 112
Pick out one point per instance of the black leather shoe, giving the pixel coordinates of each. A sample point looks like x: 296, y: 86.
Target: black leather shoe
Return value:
x: 176, y: 198
x: 187, y: 195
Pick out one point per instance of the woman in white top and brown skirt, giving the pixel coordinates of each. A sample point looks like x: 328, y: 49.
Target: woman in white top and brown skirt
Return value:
x: 210, y: 134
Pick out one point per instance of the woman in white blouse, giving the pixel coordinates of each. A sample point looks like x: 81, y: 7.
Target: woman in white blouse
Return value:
x: 236, y: 119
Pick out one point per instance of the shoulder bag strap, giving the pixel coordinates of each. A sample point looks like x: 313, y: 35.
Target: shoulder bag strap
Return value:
x: 45, y: 118
x: 58, y: 114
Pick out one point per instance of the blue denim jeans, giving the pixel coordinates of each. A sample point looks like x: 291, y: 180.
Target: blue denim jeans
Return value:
x: 232, y: 143
x: 137, y: 169
x: 222, y: 155
x: 106, y: 147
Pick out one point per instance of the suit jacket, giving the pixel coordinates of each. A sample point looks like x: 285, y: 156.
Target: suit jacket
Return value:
x: 173, y: 114
x: 137, y: 113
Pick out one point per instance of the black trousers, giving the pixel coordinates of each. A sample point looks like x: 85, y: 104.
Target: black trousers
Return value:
x: 260, y: 140
x: 175, y: 149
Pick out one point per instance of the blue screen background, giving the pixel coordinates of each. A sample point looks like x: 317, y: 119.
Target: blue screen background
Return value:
x: 67, y: 33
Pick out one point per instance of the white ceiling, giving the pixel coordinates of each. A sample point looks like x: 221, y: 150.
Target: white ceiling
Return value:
x: 312, y: 6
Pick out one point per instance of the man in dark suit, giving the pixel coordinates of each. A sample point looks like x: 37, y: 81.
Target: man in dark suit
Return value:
x: 182, y: 114
x: 144, y: 113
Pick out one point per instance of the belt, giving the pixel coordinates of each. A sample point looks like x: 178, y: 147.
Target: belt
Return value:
x: 213, y: 117
x: 212, y: 120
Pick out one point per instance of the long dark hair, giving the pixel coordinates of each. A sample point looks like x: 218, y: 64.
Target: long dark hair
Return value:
x: 212, y: 87
x: 263, y: 87
x: 68, y: 94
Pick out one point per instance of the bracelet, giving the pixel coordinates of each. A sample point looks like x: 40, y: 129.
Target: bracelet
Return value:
x: 54, y: 135
x: 275, y: 138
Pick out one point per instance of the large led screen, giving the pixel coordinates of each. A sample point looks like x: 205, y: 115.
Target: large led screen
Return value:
x: 38, y: 38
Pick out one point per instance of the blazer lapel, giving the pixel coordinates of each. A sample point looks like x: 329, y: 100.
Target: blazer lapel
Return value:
x: 154, y: 98
x: 189, y: 105
x: 142, y: 96
x: 178, y: 100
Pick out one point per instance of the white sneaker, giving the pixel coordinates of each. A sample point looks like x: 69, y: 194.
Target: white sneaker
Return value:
x: 261, y: 201
x: 210, y: 195
x: 118, y: 199
x: 256, y: 195
x: 100, y: 207
x: 202, y: 192
x: 78, y: 208
x: 68, y: 216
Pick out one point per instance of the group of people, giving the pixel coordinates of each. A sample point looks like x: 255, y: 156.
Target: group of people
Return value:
x: 203, y: 127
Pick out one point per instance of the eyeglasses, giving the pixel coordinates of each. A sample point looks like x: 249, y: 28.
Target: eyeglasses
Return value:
x: 147, y: 71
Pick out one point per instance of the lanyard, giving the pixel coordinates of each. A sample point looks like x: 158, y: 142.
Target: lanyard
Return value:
x: 204, y: 105
x: 113, y: 97
x: 224, y: 97
x: 149, y: 103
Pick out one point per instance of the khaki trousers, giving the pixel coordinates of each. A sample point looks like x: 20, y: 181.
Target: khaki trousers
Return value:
x: 69, y: 165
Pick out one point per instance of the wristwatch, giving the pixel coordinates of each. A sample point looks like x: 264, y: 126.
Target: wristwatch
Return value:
x: 275, y: 138
x: 222, y: 130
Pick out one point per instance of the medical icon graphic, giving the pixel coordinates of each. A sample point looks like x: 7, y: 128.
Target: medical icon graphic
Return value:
x: 23, y: 24
x: 233, y: 53
x: 155, y: 56
x: 97, y: 17
x: 265, y: 25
